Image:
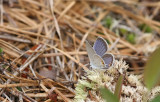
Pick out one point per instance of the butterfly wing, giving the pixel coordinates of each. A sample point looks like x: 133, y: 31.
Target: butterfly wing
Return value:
x: 95, y: 60
x: 108, y: 60
x: 100, y: 46
x: 90, y: 51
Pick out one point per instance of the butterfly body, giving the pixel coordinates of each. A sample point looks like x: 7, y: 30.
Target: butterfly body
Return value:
x: 97, y: 56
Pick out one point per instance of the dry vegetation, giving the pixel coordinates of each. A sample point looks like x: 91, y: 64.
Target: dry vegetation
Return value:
x: 45, y: 38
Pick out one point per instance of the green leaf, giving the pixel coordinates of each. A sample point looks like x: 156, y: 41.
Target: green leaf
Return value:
x: 1, y: 50
x: 9, y: 69
x: 148, y: 29
x: 109, y: 21
x: 100, y: 33
x: 123, y: 31
x: 145, y: 28
x: 19, y: 88
x: 131, y: 38
x: 156, y: 99
x: 108, y: 96
x: 152, y: 70
x: 118, y: 88
x: 108, y: 41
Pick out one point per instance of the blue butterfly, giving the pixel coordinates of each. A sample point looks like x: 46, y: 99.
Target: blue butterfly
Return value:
x: 97, y: 56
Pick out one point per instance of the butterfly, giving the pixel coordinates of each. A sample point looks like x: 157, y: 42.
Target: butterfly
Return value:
x: 97, y: 56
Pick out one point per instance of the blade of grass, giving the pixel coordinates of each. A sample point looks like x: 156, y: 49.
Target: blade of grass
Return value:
x: 156, y: 99
x: 152, y: 70
x: 118, y: 88
x: 108, y: 96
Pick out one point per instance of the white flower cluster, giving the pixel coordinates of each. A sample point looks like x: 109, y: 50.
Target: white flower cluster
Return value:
x: 132, y: 89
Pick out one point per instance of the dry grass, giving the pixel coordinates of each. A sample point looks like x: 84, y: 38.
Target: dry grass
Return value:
x: 47, y: 37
